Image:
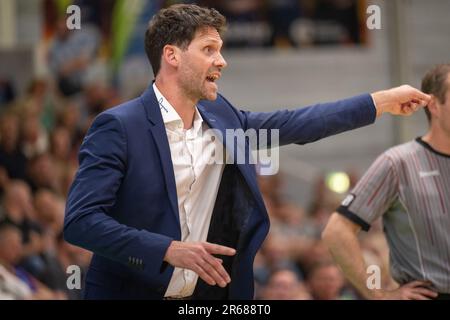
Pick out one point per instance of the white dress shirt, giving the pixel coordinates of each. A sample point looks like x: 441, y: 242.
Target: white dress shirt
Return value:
x: 197, y: 179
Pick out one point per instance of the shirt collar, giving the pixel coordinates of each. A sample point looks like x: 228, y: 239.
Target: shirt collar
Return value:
x: 170, y: 115
x: 168, y: 112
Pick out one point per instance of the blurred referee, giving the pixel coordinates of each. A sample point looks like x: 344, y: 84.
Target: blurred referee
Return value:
x: 409, y: 185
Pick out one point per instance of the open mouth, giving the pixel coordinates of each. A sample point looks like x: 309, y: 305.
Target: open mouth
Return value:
x: 212, y: 78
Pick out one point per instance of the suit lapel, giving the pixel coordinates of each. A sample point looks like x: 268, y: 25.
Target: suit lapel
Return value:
x: 214, y: 122
x: 158, y: 132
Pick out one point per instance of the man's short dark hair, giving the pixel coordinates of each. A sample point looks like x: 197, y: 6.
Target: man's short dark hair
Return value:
x: 177, y: 25
x: 435, y: 83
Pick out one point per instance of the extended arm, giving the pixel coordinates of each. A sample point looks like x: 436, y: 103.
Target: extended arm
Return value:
x: 340, y: 236
x: 315, y: 122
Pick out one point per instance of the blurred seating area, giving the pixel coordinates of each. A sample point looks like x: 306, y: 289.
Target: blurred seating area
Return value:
x: 291, y: 23
x: 293, y: 263
x: 40, y: 133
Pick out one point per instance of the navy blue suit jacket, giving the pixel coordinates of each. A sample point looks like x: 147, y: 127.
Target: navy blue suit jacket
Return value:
x: 123, y: 205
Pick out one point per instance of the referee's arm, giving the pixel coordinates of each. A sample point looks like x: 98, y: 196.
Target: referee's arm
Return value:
x: 341, y: 237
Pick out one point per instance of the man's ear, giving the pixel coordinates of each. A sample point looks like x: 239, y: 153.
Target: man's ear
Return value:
x: 433, y: 106
x: 171, y: 55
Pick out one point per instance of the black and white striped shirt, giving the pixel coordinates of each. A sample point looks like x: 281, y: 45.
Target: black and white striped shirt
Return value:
x: 409, y: 185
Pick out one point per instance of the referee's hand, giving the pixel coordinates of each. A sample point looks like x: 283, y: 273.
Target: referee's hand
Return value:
x: 415, y: 290
x: 198, y: 257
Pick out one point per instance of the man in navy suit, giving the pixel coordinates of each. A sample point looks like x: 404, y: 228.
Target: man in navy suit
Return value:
x: 163, y: 221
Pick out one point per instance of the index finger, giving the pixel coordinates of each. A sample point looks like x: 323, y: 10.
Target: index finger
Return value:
x: 425, y: 292
x: 422, y: 96
x: 418, y: 283
x: 218, y: 249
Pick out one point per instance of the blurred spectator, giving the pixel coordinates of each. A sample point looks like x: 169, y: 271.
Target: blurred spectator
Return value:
x: 11, y: 287
x: 17, y: 210
x: 70, y: 119
x: 34, y: 137
x: 61, y: 153
x: 284, y: 284
x: 323, y: 204
x: 342, y: 16
x: 50, y: 215
x: 41, y: 173
x: 289, y: 23
x: 67, y: 179
x: 282, y: 13
x: 70, y: 55
x: 49, y: 211
x: 4, y: 179
x: 40, y: 101
x: 7, y: 92
x: 274, y: 254
x: 247, y: 26
x: 98, y: 13
x: 315, y: 254
x: 11, y: 157
x: 38, y: 230
x: 60, y: 145
x: 16, y: 283
x: 95, y: 99
x: 280, y: 210
x: 325, y: 281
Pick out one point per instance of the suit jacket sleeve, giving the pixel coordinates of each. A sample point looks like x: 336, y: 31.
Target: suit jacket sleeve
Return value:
x: 88, y: 223
x: 314, y: 122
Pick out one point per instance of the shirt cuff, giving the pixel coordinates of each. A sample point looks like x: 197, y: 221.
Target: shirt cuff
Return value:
x: 353, y: 217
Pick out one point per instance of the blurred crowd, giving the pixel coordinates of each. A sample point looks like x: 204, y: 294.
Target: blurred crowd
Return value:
x: 39, y: 138
x: 293, y: 263
x: 290, y: 23
x: 40, y: 134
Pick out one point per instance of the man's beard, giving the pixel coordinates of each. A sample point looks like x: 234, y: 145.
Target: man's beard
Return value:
x: 191, y: 86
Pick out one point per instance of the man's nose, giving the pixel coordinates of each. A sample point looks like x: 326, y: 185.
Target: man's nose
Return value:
x: 221, y: 62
